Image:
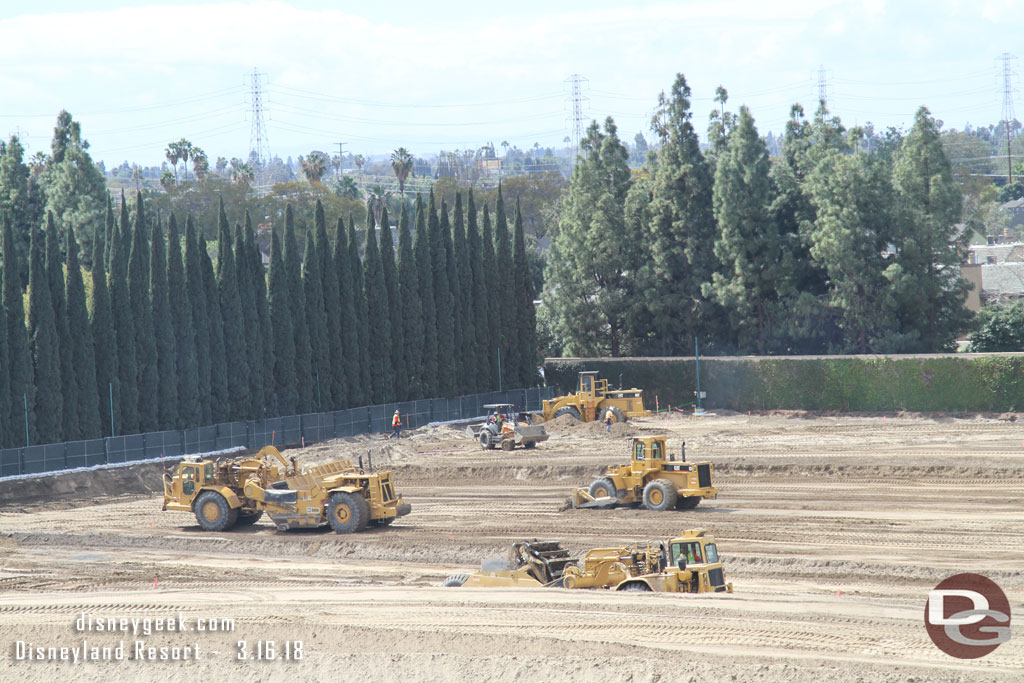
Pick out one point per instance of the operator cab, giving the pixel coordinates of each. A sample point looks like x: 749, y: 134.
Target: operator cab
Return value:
x: 693, y: 552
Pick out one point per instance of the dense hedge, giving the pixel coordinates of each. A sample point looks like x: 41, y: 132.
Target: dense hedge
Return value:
x: 950, y: 383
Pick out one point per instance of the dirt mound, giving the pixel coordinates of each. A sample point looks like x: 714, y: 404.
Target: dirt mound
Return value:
x: 142, y: 478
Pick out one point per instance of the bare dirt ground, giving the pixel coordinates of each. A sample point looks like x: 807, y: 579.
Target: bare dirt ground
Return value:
x: 832, y: 530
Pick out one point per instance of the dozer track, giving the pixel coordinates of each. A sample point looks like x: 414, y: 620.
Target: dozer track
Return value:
x: 547, y: 559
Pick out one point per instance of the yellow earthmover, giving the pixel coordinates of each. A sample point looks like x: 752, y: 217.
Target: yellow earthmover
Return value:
x: 688, y: 563
x: 230, y: 493
x: 653, y: 477
x: 593, y: 400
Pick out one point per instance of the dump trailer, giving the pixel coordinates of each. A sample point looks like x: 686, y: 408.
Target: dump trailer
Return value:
x: 504, y: 428
x: 653, y: 477
x: 229, y: 493
x: 688, y: 563
x: 593, y: 400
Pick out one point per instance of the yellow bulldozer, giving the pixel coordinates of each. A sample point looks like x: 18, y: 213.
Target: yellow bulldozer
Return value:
x: 593, y: 400
x: 653, y: 477
x: 231, y: 493
x: 688, y: 563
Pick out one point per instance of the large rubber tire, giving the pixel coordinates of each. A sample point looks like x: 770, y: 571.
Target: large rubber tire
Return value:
x: 364, y: 506
x: 601, y: 488
x: 687, y: 502
x: 345, y: 512
x: 455, y: 580
x: 636, y: 587
x: 249, y: 520
x: 617, y: 415
x: 508, y: 444
x: 660, y: 494
x: 486, y: 440
x: 213, y: 512
x: 567, y: 410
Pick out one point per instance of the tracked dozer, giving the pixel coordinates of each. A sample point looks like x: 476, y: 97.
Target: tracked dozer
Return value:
x: 653, y: 477
x: 688, y: 563
x: 229, y: 493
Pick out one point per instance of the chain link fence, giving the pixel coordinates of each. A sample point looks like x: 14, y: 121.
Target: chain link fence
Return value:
x: 282, y: 431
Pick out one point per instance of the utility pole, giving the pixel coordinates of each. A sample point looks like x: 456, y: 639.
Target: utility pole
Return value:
x: 822, y: 85
x: 576, y: 99
x: 341, y: 158
x: 1008, y: 115
x: 259, y: 149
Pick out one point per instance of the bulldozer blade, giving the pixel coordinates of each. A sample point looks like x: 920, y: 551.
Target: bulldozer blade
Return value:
x: 603, y: 502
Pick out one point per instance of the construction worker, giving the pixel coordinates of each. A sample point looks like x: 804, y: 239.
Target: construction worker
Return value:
x: 608, y: 418
x: 396, y: 425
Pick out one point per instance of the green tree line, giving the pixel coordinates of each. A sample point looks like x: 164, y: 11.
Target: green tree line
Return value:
x: 836, y: 246
x: 164, y: 330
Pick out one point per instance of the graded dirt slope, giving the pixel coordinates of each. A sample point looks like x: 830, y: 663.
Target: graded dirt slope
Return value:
x: 832, y: 530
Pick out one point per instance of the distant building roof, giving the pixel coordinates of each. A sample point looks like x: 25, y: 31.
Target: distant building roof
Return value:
x: 997, y: 253
x: 1001, y: 281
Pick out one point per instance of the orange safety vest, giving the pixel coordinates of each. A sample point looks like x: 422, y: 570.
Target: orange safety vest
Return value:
x: 396, y: 421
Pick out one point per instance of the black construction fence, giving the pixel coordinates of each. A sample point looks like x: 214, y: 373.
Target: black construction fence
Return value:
x: 286, y: 431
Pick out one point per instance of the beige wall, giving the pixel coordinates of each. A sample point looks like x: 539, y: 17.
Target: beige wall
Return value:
x: 972, y: 273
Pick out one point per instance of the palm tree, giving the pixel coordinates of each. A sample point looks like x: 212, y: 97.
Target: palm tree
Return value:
x: 200, y: 163
x: 376, y: 199
x: 137, y: 176
x: 346, y: 187
x: 359, y: 160
x: 185, y: 151
x: 173, y: 154
x: 241, y: 173
x: 314, y: 166
x: 401, y: 164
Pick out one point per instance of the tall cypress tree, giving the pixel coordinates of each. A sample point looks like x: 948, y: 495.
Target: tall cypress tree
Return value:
x: 361, y: 391
x: 220, y: 408
x: 399, y: 370
x: 348, y: 379
x: 43, y: 346
x: 284, y: 394
x: 101, y: 323
x: 109, y: 230
x: 81, y: 347
x: 335, y: 378
x: 68, y: 380
x: 378, y: 317
x: 440, y: 243
x: 422, y: 249
x: 492, y: 338
x: 200, y: 325
x: 142, y: 317
x: 507, y: 334
x: 126, y: 396
x: 253, y: 399
x: 259, y: 280
x: 293, y: 265
x: 480, y: 305
x: 460, y: 280
x: 20, y: 374
x: 525, y: 314
x: 163, y: 333
x: 189, y: 412
x: 319, y: 350
x: 235, y: 356
x: 6, y: 428
x: 410, y: 309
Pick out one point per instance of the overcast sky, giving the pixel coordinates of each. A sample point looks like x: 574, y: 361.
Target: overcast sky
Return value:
x: 379, y: 74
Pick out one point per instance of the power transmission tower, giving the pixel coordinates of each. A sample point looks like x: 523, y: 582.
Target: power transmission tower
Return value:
x: 576, y: 99
x: 259, y: 149
x: 1008, y: 115
x: 822, y: 85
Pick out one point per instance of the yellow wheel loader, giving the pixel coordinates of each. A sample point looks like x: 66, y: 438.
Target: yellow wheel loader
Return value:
x: 230, y: 493
x: 688, y: 563
x: 504, y: 428
x: 653, y: 477
x: 593, y: 400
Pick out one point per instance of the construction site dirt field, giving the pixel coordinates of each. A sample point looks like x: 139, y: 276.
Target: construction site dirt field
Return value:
x: 832, y: 531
